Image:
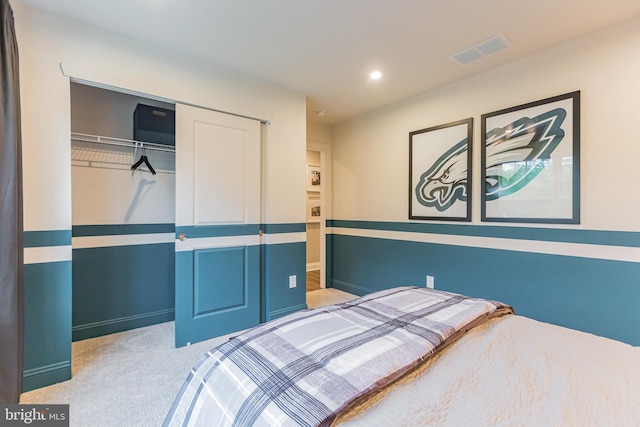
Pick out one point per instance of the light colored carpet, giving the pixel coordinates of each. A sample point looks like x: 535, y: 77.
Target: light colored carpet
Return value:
x: 327, y: 296
x: 131, y: 378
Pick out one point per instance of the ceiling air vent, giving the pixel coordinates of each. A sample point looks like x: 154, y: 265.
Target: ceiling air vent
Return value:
x: 481, y: 50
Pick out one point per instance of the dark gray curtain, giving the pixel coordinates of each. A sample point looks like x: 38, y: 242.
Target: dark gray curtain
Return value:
x: 11, y: 245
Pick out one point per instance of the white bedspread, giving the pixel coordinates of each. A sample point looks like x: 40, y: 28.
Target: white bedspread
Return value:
x: 304, y: 368
x: 515, y: 371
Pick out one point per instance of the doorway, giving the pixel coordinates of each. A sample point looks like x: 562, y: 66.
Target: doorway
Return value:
x: 318, y: 208
x: 313, y: 218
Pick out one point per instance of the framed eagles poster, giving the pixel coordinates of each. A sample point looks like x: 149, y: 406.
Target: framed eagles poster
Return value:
x: 440, y: 172
x: 530, y: 162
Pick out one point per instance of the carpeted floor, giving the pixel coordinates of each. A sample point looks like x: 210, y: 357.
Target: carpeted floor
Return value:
x: 327, y: 296
x: 131, y: 378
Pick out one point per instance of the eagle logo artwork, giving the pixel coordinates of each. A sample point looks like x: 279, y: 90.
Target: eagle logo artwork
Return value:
x: 515, y: 155
x: 518, y: 152
x: 446, y: 181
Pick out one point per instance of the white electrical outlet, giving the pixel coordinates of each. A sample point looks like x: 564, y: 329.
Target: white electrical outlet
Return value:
x: 292, y: 281
x: 430, y: 282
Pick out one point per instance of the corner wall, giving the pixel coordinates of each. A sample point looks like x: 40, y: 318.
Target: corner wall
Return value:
x: 585, y: 277
x: 49, y: 44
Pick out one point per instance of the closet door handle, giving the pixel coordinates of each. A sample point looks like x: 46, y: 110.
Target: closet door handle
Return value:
x: 182, y: 237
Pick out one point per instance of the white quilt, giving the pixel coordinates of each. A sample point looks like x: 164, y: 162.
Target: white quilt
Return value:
x: 515, y: 371
x: 304, y: 368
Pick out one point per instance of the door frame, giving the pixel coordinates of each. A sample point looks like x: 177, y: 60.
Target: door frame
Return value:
x: 325, y: 202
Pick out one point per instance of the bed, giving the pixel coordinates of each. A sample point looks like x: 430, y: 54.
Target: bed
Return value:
x: 412, y: 356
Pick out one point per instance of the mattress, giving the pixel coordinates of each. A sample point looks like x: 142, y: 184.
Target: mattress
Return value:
x: 306, y: 368
x: 496, y: 371
x: 513, y: 371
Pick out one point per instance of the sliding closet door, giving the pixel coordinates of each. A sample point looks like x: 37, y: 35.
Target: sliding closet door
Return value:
x: 217, y: 224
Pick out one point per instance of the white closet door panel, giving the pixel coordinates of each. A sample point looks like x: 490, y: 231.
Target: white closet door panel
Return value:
x: 222, y: 152
x: 219, y: 174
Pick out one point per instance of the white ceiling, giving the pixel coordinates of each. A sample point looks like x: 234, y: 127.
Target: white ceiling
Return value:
x: 326, y: 49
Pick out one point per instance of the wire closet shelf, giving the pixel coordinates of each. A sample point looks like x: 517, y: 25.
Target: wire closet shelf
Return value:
x: 119, y: 142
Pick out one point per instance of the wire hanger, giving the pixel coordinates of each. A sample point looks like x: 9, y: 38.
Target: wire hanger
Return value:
x: 143, y: 159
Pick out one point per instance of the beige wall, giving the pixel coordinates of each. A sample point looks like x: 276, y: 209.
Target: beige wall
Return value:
x: 370, y: 153
x: 49, y: 44
x: 318, y: 132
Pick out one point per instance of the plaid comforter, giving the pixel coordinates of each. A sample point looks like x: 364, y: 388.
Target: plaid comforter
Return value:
x: 304, y: 368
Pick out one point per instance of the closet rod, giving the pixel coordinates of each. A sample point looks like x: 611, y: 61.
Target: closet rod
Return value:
x: 97, y: 139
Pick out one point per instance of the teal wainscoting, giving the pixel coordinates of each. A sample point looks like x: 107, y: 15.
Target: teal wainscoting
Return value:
x: 118, y: 285
x: 284, y: 260
x: 279, y: 261
x: 47, y: 238
x: 122, y: 287
x: 590, y: 294
x: 47, y: 323
x: 111, y: 288
x: 281, y: 255
x: 217, y: 292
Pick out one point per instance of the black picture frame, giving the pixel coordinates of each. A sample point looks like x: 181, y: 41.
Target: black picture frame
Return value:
x: 530, y: 162
x: 440, y: 172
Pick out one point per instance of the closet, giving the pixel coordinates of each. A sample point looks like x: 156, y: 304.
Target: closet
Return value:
x: 123, y: 219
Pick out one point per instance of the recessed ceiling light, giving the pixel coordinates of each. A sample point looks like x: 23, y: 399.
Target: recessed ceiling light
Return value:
x: 321, y: 113
x: 375, y: 75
